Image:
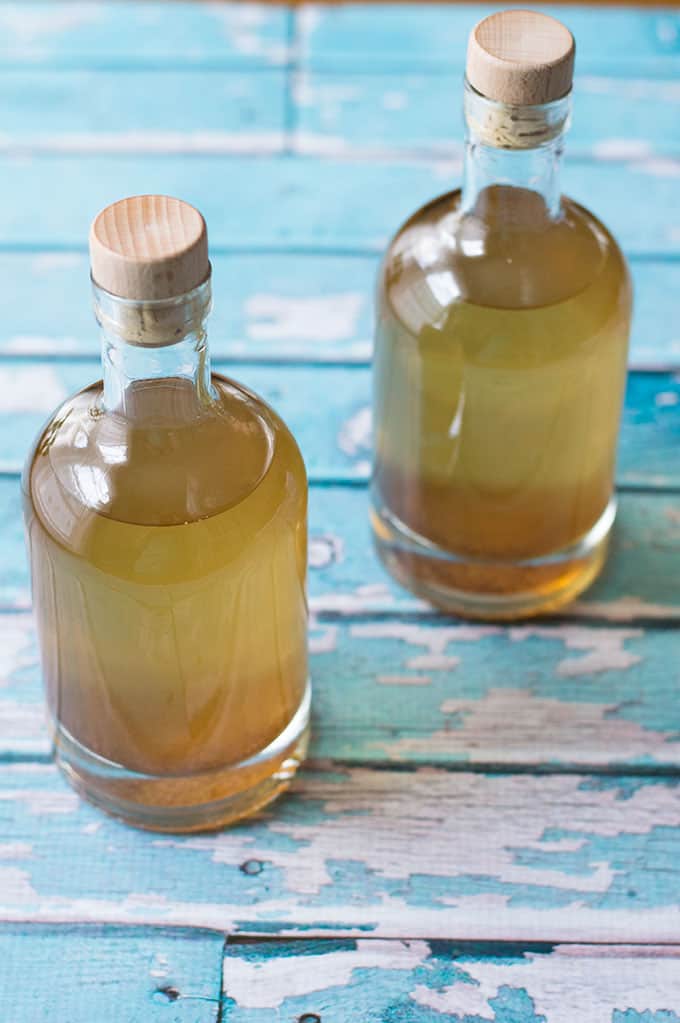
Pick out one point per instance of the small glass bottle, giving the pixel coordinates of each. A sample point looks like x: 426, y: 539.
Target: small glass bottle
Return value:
x: 165, y: 512
x: 503, y: 315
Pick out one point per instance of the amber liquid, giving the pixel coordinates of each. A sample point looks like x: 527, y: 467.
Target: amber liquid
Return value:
x: 168, y: 550
x: 500, y: 365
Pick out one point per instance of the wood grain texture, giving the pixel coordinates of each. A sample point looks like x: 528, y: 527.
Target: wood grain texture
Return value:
x: 336, y: 445
x: 426, y: 982
x: 431, y: 853
x: 111, y: 975
x: 280, y: 307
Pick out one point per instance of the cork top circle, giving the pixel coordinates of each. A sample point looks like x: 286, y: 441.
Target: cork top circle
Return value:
x: 521, y: 57
x: 149, y: 248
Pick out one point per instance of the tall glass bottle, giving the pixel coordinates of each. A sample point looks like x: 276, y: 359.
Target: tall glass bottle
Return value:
x: 166, y: 518
x: 503, y: 314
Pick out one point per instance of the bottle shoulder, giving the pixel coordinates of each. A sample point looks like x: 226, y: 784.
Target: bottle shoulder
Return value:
x: 169, y: 459
x: 506, y: 253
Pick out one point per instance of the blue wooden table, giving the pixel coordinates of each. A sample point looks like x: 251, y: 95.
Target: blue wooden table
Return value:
x: 489, y: 827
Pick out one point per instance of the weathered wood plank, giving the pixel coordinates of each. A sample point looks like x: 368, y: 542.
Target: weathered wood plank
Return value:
x: 420, y: 36
x: 142, y: 111
x: 416, y: 113
x: 317, y: 308
x: 329, y: 205
x: 422, y: 982
x: 431, y: 854
x: 639, y: 584
x: 103, y: 33
x: 111, y: 975
x: 434, y: 691
x: 337, y: 444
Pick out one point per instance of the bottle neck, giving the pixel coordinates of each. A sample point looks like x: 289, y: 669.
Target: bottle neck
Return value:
x: 143, y: 342
x: 513, y: 147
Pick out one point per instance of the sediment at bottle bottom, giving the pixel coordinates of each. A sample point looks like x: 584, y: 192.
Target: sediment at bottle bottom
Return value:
x: 493, y: 590
x: 202, y: 801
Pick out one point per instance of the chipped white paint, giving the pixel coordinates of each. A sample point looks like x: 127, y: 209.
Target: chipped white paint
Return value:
x: 435, y: 640
x: 621, y: 149
x: 160, y: 966
x: 15, y: 886
x: 30, y: 389
x: 356, y: 432
x: 323, y: 639
x: 15, y: 850
x: 315, y: 319
x: 39, y: 344
x: 395, y: 99
x: 604, y: 648
x: 32, y: 24
x: 22, y: 727
x: 92, y: 827
x: 661, y: 167
x: 325, y: 550
x: 48, y: 262
x: 366, y: 598
x: 624, y: 609
x: 656, y: 90
x: 242, y: 27
x: 666, y: 399
x: 514, y: 726
x: 403, y: 680
x: 171, y: 142
x: 267, y: 983
x: 427, y: 824
x: 17, y: 646
x: 563, y: 987
x: 40, y: 802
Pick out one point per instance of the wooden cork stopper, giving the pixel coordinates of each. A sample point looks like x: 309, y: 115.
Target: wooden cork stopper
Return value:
x: 521, y: 57
x: 149, y: 248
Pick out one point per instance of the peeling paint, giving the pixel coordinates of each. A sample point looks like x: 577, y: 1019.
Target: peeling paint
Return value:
x: 326, y: 318
x: 605, y: 647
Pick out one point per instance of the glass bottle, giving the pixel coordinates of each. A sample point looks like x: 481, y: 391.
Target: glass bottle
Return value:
x: 503, y: 315
x: 165, y: 511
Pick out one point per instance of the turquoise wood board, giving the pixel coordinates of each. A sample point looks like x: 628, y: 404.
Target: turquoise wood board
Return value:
x: 111, y: 975
x: 336, y: 445
x: 407, y: 37
x: 104, y: 33
x: 421, y: 113
x: 639, y: 583
x: 278, y: 307
x: 417, y: 691
x: 331, y: 205
x: 515, y: 785
x: 430, y: 982
x: 138, y: 111
x: 361, y: 852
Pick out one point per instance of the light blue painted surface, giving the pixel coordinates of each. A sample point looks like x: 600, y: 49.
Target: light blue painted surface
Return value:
x: 138, y: 110
x: 327, y: 205
x: 104, y: 33
x: 422, y: 113
x: 429, y: 982
x: 278, y: 307
x: 111, y: 975
x: 345, y: 576
x: 417, y: 36
x: 295, y: 240
x: 335, y: 444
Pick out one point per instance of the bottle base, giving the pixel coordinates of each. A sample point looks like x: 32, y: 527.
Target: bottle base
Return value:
x: 490, y: 590
x: 204, y: 801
